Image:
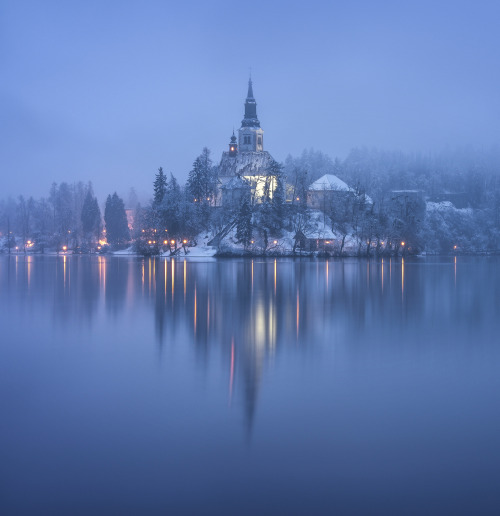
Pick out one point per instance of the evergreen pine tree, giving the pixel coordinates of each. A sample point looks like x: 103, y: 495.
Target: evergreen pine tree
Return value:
x: 117, y: 231
x: 244, y: 223
x: 91, y: 216
x: 160, y: 187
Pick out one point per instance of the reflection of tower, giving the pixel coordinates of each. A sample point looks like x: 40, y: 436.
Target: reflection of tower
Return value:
x: 252, y: 372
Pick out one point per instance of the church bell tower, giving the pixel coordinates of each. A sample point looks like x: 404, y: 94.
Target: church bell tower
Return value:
x: 251, y: 136
x: 233, y: 146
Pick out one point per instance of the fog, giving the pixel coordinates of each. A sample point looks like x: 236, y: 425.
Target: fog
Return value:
x: 108, y: 92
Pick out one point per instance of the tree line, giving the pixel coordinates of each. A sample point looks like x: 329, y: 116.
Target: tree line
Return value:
x: 457, y: 206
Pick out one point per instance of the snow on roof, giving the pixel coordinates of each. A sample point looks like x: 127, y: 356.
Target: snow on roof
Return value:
x: 245, y: 164
x: 329, y: 182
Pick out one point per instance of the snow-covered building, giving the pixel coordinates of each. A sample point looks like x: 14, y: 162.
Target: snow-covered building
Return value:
x: 246, y: 158
x: 326, y: 190
x: 329, y: 189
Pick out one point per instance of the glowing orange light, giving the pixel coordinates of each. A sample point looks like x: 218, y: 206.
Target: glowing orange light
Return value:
x: 150, y: 242
x: 143, y: 230
x: 65, y: 248
x: 165, y: 242
x: 275, y: 241
x: 184, y: 241
x: 454, y: 247
x: 172, y: 242
x: 402, y: 243
x: 252, y: 242
x: 298, y: 198
x: 98, y: 247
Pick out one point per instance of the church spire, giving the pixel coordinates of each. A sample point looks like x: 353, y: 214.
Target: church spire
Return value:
x: 250, y: 119
x: 250, y: 89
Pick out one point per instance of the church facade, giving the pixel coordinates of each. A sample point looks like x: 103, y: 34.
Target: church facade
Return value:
x: 246, y: 164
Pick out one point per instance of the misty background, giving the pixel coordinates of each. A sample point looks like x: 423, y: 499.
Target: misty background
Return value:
x: 110, y: 91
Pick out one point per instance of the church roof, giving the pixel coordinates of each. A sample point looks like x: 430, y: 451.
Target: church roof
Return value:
x: 329, y: 182
x: 245, y: 164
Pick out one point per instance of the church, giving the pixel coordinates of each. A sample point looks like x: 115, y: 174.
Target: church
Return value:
x: 246, y: 164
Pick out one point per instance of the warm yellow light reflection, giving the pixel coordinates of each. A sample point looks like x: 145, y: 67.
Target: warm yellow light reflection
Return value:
x: 298, y: 313
x: 402, y: 275
x: 274, y: 277
x: 195, y: 309
x: 231, y: 371
x: 382, y: 274
x: 173, y: 279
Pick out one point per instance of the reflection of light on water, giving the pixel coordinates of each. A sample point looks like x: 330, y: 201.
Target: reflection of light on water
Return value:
x: 231, y: 372
x: 165, y: 272
x: 130, y: 283
x: 28, y: 260
x: 402, y: 275
x: 260, y: 326
x: 455, y: 270
x: 142, y: 275
x: 173, y: 278
x: 184, y: 281
x: 298, y: 313
x: 195, y: 308
x: 327, y: 276
x: 252, y: 275
x: 64, y: 271
x: 208, y: 312
x: 382, y: 274
x: 149, y: 275
x: 274, y: 277
x: 272, y: 326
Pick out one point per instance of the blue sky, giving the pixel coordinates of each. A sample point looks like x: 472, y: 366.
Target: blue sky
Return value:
x: 109, y: 91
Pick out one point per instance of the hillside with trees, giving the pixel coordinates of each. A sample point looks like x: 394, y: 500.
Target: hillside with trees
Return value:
x: 395, y: 203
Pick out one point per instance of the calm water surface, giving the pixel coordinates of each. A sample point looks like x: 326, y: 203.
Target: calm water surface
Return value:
x: 131, y: 386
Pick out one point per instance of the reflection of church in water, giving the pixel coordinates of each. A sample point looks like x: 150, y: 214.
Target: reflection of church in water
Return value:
x: 246, y: 165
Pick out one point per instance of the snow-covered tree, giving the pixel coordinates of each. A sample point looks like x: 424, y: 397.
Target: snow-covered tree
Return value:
x: 117, y: 231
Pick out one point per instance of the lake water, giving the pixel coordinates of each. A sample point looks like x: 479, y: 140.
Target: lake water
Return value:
x: 152, y: 386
